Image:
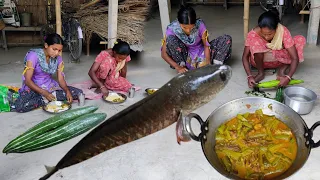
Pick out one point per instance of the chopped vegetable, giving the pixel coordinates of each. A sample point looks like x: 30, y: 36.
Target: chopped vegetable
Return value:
x: 279, y: 95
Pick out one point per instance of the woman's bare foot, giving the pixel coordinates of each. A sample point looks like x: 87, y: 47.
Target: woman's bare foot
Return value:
x: 97, y: 91
x: 93, y: 86
x: 259, y: 77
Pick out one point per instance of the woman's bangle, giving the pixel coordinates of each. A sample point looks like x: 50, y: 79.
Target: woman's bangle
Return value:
x: 288, y: 77
x: 102, y: 87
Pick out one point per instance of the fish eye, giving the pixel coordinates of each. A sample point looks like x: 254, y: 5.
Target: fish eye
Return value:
x: 223, y: 76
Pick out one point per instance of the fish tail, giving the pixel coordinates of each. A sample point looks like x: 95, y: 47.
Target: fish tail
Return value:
x: 50, y: 172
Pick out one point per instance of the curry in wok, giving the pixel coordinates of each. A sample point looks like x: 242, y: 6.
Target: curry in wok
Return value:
x: 255, y: 146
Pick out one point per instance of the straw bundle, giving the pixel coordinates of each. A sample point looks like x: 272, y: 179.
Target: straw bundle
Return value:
x: 129, y: 27
x: 131, y: 19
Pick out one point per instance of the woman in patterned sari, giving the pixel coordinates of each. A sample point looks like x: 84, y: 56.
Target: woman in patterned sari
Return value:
x: 109, y: 70
x: 37, y: 81
x: 186, y: 45
x: 270, y: 45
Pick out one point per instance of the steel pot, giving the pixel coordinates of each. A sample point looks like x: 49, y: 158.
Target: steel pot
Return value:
x: 250, y: 104
x: 299, y: 99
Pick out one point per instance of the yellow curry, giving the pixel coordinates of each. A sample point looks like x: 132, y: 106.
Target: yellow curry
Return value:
x: 151, y: 91
x: 255, y: 146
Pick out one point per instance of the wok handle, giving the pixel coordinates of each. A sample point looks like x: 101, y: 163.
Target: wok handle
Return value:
x: 188, y: 126
x: 310, y: 135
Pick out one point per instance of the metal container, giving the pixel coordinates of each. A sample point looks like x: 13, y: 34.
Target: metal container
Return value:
x: 250, y: 104
x: 150, y: 91
x: 81, y: 99
x: 114, y: 94
x: 131, y: 92
x: 57, y: 103
x: 26, y: 19
x: 299, y: 99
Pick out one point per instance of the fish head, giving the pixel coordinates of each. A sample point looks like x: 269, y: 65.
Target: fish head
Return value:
x: 201, y: 85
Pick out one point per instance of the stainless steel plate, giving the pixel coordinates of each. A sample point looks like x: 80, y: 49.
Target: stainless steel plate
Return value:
x: 56, y: 107
x: 113, y: 95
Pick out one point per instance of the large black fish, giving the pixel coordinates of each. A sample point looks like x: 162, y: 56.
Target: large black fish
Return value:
x: 180, y: 96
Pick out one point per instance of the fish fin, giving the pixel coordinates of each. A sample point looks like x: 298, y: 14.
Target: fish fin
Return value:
x: 181, y: 133
x: 50, y: 172
x: 49, y: 168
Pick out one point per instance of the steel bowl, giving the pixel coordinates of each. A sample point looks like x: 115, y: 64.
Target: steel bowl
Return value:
x: 149, y: 90
x: 300, y: 99
x: 250, y: 104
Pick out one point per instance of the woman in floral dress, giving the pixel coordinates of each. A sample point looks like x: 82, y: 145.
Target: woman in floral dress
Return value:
x: 109, y: 70
x: 270, y: 45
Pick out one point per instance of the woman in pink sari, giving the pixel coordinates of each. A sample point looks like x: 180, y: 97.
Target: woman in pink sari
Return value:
x: 109, y: 70
x: 270, y: 45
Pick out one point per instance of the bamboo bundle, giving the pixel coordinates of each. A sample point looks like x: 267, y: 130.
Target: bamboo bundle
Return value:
x: 131, y: 20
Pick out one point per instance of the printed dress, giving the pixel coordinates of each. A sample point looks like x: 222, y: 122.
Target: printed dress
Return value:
x: 42, y: 77
x: 278, y: 57
x: 107, y: 72
x: 189, y: 49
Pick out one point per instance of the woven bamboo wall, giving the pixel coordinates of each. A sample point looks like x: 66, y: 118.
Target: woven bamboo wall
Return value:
x: 38, y: 8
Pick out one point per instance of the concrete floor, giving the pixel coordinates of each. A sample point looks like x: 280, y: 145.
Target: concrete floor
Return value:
x: 157, y: 156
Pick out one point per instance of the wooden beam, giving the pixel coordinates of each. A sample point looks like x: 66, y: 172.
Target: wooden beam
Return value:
x: 164, y: 15
x: 313, y: 27
x: 304, y: 12
x: 169, y: 8
x: 246, y: 11
x: 58, y: 17
x: 112, y: 22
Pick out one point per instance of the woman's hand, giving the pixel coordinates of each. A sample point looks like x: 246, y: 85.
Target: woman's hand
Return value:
x: 48, y: 96
x: 181, y: 69
x: 69, y: 96
x: 284, y: 81
x: 251, y: 82
x: 104, y: 91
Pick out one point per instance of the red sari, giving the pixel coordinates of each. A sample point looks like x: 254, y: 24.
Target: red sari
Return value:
x: 259, y: 45
x: 107, y: 72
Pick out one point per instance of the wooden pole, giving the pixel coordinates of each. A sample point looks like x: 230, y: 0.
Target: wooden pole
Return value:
x: 313, y: 26
x: 58, y: 17
x: 169, y: 8
x: 302, y: 15
x: 112, y: 22
x: 246, y: 18
x: 164, y: 15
